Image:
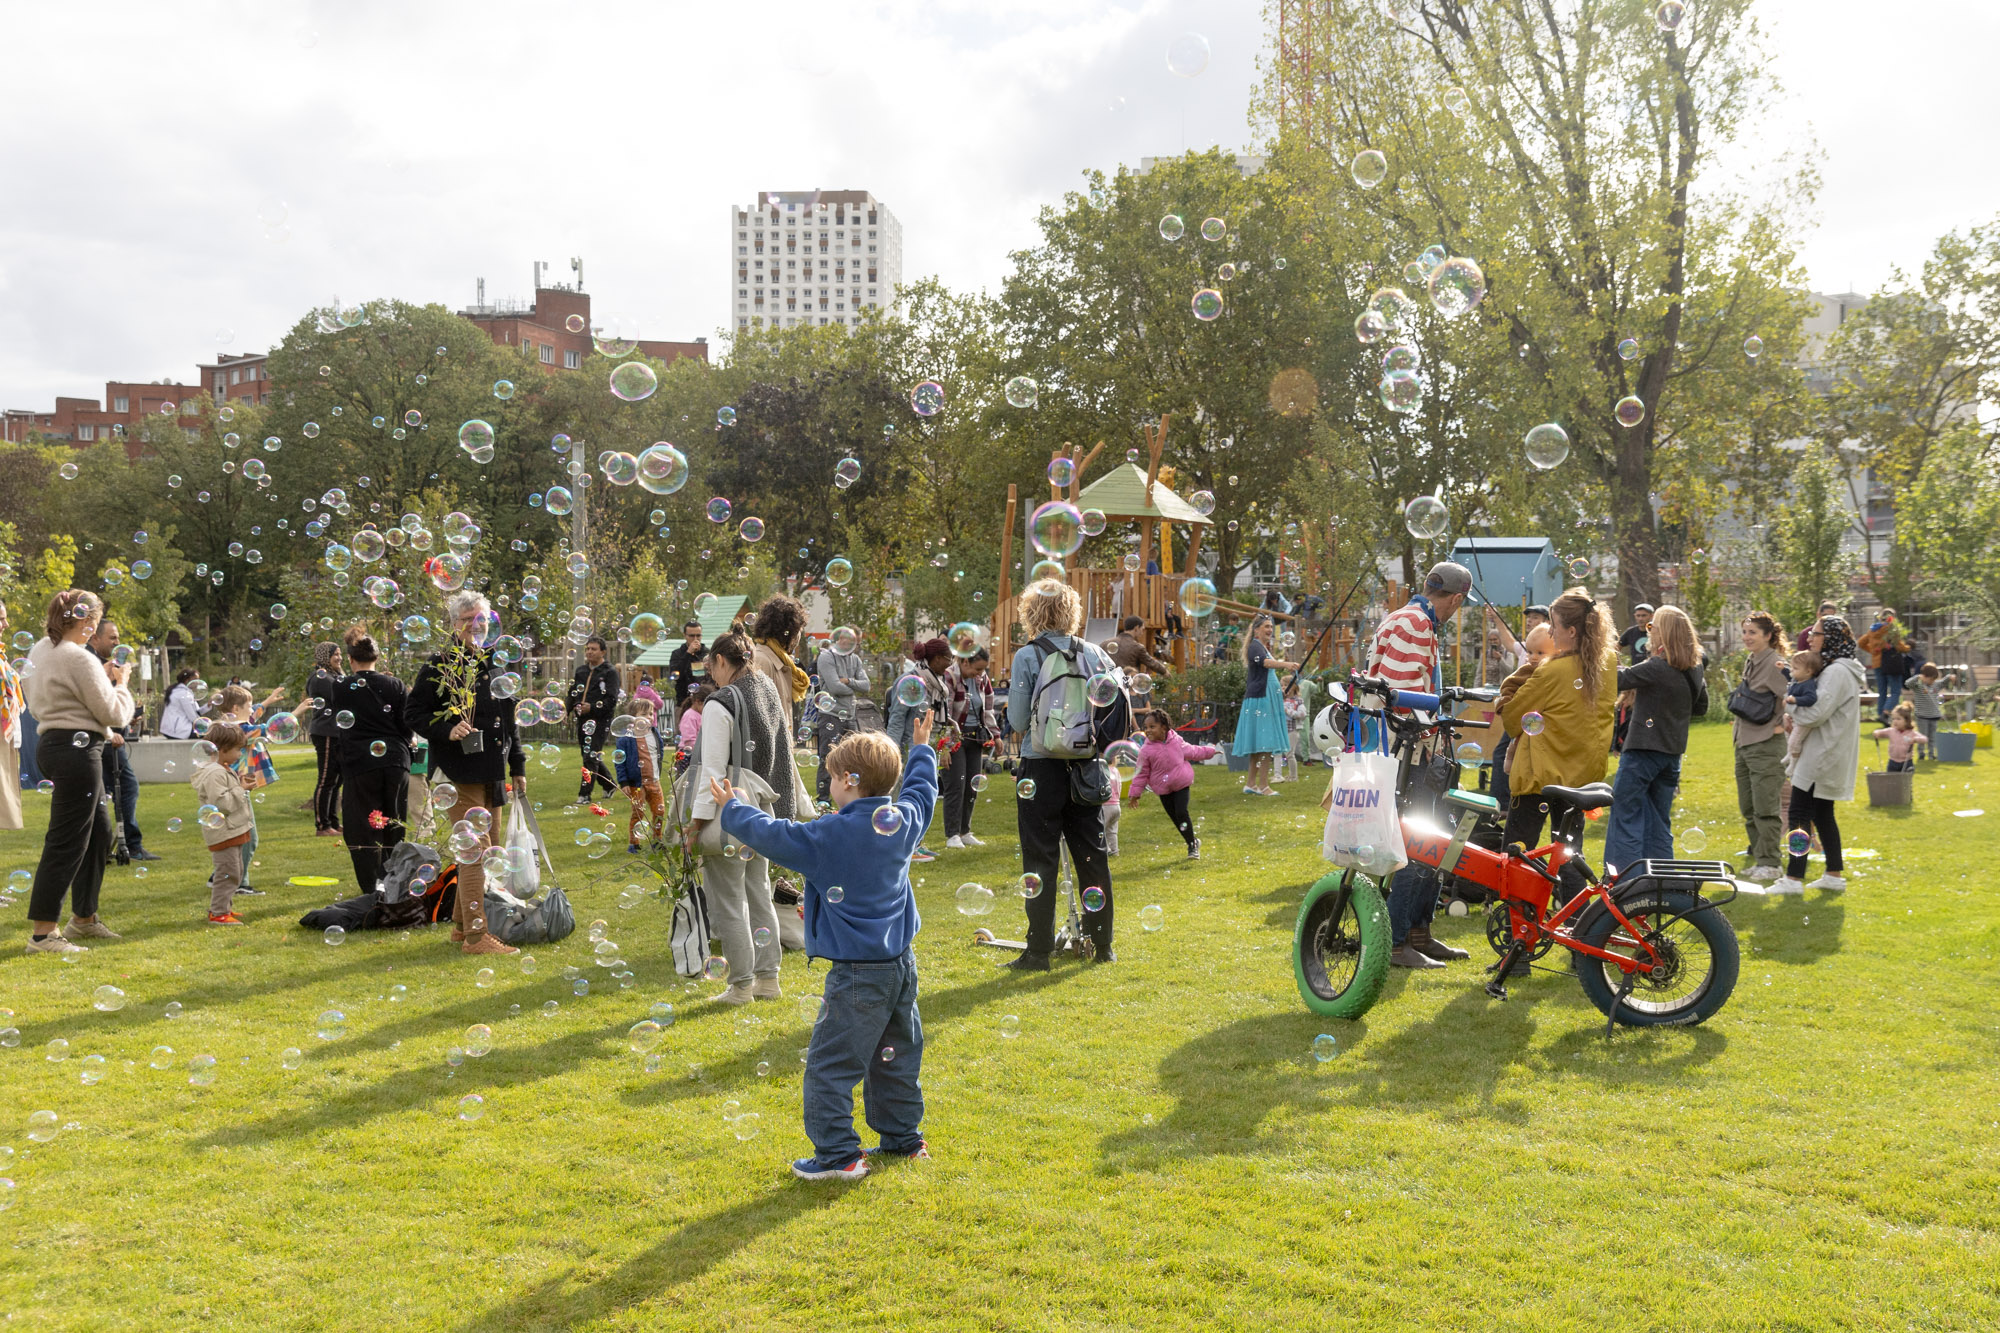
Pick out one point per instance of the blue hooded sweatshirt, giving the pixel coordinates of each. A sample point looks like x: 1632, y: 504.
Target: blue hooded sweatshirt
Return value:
x: 876, y: 917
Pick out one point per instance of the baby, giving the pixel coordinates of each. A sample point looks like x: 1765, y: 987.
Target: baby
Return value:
x: 1804, y: 692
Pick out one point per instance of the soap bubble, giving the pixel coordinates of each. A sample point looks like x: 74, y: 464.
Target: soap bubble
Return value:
x: 845, y: 639
x: 927, y: 399
x: 644, y: 1035
x: 107, y: 999
x: 846, y: 472
x: 1203, y: 502
x: 1628, y: 349
x: 747, y: 1126
x: 331, y: 1025
x: 57, y: 1050
x: 1753, y: 347
x: 1022, y: 391
x: 1056, y: 528
x: 1198, y: 598
x: 1798, y: 842
x: 1152, y: 917
x: 201, y: 1070
x: 503, y: 390
x: 1668, y: 14
x: 289, y: 1058
x: 839, y: 571
x: 1547, y: 445
x: 1213, y: 229
x: 633, y: 381
x: 974, y: 899
x: 558, y: 501
x: 1325, y: 1047
x: 1457, y: 286
x: 1579, y: 569
x: 1426, y: 517
x: 886, y: 820
x: 1401, y: 392
x: 751, y: 529
x: 478, y: 1040
x: 1369, y: 168
x: 1370, y: 327
x: 662, y: 469
x: 1629, y: 411
x: 716, y: 969
x: 475, y: 434
x: 1532, y: 724
x: 472, y: 1106
x: 1025, y: 789
x: 966, y: 638
x: 1172, y: 228
x: 911, y: 692
x: 1694, y: 841
x: 1101, y: 689
x: 43, y: 1127
x: 1187, y: 55
x: 1207, y: 304
x: 1093, y: 900
x: 835, y: 894
x: 335, y: 936
x: 1030, y: 884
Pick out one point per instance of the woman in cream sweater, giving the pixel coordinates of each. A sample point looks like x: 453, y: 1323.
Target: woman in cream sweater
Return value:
x: 77, y: 699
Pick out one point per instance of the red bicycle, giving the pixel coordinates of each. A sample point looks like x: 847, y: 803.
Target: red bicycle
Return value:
x: 1649, y: 948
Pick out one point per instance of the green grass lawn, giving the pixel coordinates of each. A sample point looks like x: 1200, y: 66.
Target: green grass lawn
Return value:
x: 1156, y: 1149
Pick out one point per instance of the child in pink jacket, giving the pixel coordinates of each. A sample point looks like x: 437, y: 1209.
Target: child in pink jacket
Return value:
x: 1166, y: 768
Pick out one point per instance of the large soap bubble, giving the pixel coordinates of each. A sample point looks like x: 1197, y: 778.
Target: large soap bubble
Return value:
x: 1457, y: 286
x: 632, y: 381
x: 1056, y: 528
x: 663, y: 469
x: 1426, y: 517
x: 1547, y: 445
x: 1198, y: 598
x: 1369, y: 168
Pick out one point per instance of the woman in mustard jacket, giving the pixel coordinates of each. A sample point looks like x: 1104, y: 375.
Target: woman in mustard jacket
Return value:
x: 1569, y: 744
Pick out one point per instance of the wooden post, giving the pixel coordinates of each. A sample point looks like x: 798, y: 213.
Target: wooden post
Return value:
x: 1003, y: 614
x: 1076, y: 479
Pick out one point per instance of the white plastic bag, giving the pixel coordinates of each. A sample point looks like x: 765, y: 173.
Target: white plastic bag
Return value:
x: 522, y: 876
x: 1362, y: 830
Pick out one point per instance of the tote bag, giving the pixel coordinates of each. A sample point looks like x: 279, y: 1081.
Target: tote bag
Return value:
x: 1362, y: 831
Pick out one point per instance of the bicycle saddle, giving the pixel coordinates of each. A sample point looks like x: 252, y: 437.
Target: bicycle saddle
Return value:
x: 1594, y: 797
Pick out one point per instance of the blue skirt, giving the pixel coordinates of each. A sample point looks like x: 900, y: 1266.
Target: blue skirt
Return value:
x: 1260, y: 726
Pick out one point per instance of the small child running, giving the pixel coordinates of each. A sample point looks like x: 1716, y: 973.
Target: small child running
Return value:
x: 218, y: 786
x: 1166, y: 768
x: 639, y: 773
x: 1903, y: 738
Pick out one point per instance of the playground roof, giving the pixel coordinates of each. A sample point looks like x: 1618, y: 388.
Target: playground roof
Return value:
x: 1121, y: 493
x: 715, y: 617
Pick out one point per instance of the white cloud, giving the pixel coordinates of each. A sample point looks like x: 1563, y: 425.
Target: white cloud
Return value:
x: 418, y: 147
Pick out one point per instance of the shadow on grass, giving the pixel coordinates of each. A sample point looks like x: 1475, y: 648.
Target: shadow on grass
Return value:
x: 790, y: 1032
x: 677, y: 1258
x: 1786, y: 928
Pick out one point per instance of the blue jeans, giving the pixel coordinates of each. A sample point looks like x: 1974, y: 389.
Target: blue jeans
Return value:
x: 1888, y: 692
x: 1642, y: 797
x: 868, y: 1033
x: 1413, y: 900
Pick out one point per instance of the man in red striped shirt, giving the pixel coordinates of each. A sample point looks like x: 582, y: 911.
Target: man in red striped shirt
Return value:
x: 1404, y: 652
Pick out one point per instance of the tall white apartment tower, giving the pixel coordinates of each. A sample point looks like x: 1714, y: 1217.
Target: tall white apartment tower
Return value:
x: 812, y: 257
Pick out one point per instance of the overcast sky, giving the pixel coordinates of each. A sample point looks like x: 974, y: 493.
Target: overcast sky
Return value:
x: 182, y: 178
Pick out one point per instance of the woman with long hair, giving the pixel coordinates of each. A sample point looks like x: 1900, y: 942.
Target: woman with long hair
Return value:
x: 1560, y: 719
x: 1260, y: 724
x: 182, y: 709
x: 1047, y: 813
x: 374, y: 759
x: 743, y: 726
x: 320, y: 688
x: 1760, y: 746
x: 78, y: 698
x: 474, y: 744
x: 1668, y: 692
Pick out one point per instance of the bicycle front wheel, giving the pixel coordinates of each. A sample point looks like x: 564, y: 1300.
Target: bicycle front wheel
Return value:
x: 1340, y: 947
x: 1696, y: 950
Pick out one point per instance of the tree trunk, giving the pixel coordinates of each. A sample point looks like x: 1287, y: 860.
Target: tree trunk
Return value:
x: 1632, y: 513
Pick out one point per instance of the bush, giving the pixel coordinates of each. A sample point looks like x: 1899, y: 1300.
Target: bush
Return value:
x: 1219, y: 683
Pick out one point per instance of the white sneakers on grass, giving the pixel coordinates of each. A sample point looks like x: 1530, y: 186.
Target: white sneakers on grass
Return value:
x: 1787, y: 884
x: 1762, y: 874
x: 1831, y: 883
x: 955, y: 841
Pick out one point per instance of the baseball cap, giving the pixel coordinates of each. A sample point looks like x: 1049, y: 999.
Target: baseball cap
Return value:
x: 1643, y: 606
x: 1448, y: 577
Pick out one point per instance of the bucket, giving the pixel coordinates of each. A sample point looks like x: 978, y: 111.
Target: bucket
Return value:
x: 1241, y: 763
x: 1981, y: 731
x: 1890, y: 788
x: 1955, y: 747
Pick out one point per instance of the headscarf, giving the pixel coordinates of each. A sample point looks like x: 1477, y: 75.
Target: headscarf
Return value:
x: 1836, y: 639
x: 323, y: 656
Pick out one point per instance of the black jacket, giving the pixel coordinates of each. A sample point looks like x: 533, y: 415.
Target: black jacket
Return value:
x: 681, y: 667
x: 427, y: 714
x: 1663, y: 701
x: 593, y: 693
x: 377, y: 702
x: 320, y: 688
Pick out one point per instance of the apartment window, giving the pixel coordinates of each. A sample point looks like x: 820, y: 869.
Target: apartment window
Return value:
x: 839, y: 305
x: 86, y: 432
x: 871, y: 219
x: 121, y: 404
x: 871, y: 235
x: 822, y: 323
x: 791, y: 263
x: 757, y: 263
x: 235, y: 377
x: 572, y: 360
x: 742, y: 323
x: 548, y: 355
x: 191, y: 432
x: 791, y: 303
x: 871, y: 249
x: 189, y: 407
x: 742, y: 235
x: 742, y: 249
x: 741, y: 306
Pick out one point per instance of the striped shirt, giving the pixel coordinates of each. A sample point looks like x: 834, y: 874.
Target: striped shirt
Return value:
x: 1404, y: 651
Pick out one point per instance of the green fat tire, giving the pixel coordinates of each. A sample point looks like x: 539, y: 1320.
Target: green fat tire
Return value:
x: 1371, y: 916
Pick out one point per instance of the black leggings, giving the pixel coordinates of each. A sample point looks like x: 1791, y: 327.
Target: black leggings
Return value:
x: 1812, y: 813
x: 1524, y: 825
x: 326, y: 785
x: 370, y: 791
x: 78, y: 843
x: 1175, y: 803
x: 1046, y: 821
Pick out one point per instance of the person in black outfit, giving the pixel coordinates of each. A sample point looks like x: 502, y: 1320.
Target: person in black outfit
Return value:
x: 681, y: 666
x: 1637, y: 644
x: 119, y: 779
x: 593, y: 694
x: 480, y: 754
x: 374, y: 760
x: 320, y: 687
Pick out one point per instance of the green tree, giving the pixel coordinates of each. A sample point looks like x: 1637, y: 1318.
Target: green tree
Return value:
x: 1946, y: 519
x: 1809, y: 535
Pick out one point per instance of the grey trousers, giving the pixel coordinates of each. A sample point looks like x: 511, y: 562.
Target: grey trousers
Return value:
x: 224, y: 880
x: 1760, y: 791
x: 739, y: 905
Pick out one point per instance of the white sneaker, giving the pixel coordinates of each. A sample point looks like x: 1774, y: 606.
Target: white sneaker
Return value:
x: 955, y: 841
x: 738, y: 993
x: 1762, y: 874
x: 55, y: 943
x: 971, y: 841
x: 1786, y: 884
x: 1831, y: 883
x: 765, y: 988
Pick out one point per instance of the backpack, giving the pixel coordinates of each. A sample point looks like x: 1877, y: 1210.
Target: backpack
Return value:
x: 1065, y: 724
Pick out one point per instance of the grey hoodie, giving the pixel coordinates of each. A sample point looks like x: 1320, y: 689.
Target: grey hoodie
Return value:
x: 842, y: 675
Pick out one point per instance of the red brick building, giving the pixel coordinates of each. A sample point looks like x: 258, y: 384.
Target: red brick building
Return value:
x: 554, y: 330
